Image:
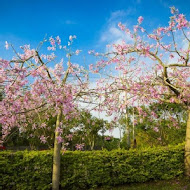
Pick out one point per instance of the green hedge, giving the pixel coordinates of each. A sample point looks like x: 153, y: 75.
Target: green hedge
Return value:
x: 84, y: 170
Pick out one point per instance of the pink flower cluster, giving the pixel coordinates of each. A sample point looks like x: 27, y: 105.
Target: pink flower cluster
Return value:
x: 33, y: 90
x: 79, y: 146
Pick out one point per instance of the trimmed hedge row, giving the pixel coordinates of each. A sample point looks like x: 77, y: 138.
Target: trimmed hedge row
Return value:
x: 84, y: 170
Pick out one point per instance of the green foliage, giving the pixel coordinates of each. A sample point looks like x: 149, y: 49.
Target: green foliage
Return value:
x: 87, y: 129
x: 112, y: 144
x: 89, y: 169
x: 157, y: 124
x: 170, y: 123
x: 25, y: 170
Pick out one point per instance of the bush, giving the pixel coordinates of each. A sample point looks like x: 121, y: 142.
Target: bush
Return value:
x: 84, y: 170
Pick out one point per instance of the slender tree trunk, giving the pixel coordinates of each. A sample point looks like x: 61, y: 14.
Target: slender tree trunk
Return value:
x: 133, y: 125
x: 119, y: 137
x: 102, y: 140
x: 91, y: 143
x: 127, y: 125
x: 92, y: 147
x: 56, y: 157
x: 127, y: 131
x: 187, y: 147
x: 134, y: 139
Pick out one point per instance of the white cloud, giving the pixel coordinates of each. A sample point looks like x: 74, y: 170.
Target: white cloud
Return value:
x: 111, y: 34
x: 117, y: 14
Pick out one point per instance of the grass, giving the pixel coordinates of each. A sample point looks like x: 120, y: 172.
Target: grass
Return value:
x: 175, y: 184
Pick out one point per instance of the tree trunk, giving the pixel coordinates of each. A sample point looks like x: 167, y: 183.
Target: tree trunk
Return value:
x: 56, y: 157
x: 103, y: 140
x: 91, y: 143
x: 134, y: 143
x: 127, y: 131
x: 119, y: 137
x: 134, y: 139
x: 127, y: 125
x: 187, y: 147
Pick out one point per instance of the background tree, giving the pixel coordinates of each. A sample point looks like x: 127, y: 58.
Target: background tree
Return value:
x: 163, y: 124
x: 87, y: 130
x: 157, y: 124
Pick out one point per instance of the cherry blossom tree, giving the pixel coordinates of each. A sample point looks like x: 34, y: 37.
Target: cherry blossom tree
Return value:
x: 161, y: 58
x: 36, y: 87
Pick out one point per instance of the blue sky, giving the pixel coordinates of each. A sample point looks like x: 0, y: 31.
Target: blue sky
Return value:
x: 94, y: 22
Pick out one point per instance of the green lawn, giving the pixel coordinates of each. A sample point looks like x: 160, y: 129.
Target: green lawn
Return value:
x: 177, y: 184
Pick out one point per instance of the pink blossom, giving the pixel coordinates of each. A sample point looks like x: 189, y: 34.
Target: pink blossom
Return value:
x: 156, y: 129
x: 77, y: 52
x: 69, y: 137
x: 108, y: 138
x: 34, y: 126
x: 140, y: 19
x: 59, y: 139
x: 79, y: 146
x: 43, y: 139
x: 52, y: 41
x: 43, y: 125
x: 59, y: 130
x: 58, y: 40
x: 172, y: 100
x: 121, y: 26
x: 63, y: 150
x: 72, y: 37
x: 90, y: 51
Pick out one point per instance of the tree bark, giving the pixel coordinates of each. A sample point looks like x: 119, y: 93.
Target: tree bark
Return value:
x: 56, y: 157
x: 134, y: 139
x: 92, y: 144
x: 127, y: 131
x: 187, y: 147
x: 127, y: 125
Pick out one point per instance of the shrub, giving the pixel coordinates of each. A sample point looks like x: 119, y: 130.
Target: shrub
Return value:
x: 88, y: 169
